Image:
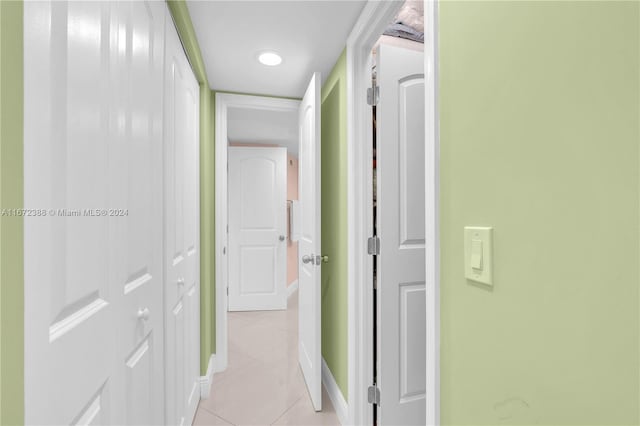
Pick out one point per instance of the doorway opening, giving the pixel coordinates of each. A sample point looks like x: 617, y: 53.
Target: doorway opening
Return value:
x: 268, y: 350
x: 393, y: 307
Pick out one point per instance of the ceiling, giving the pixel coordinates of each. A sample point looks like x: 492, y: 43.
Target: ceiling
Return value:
x: 266, y: 127
x: 308, y: 34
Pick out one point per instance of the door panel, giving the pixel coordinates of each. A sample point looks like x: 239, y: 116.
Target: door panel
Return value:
x: 257, y: 228
x: 93, y: 158
x: 411, y: 160
x: 192, y: 366
x: 93, y: 280
x: 176, y: 366
x: 137, y: 241
x: 96, y: 412
x: 138, y: 375
x: 182, y: 263
x: 412, y: 332
x: 309, y: 317
x: 401, y: 229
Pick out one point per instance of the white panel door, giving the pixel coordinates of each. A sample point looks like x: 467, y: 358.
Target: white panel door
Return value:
x: 401, y: 229
x: 257, y: 228
x: 136, y: 245
x: 309, y: 316
x: 182, y: 247
x: 93, y: 264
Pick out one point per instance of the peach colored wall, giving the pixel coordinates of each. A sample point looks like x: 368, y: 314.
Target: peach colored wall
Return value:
x: 292, y: 194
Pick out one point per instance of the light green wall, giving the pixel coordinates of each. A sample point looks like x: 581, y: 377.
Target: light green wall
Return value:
x: 182, y: 20
x: 11, y: 228
x: 207, y: 229
x: 539, y: 135
x: 334, y: 223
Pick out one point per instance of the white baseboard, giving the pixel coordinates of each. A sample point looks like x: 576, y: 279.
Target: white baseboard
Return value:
x: 207, y: 381
x: 291, y: 288
x: 335, y: 395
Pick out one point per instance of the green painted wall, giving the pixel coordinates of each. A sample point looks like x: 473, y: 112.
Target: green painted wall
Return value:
x: 182, y: 20
x: 11, y: 228
x: 207, y: 229
x: 334, y: 223
x: 539, y: 124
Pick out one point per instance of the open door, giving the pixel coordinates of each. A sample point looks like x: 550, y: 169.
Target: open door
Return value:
x: 400, y: 219
x: 310, y: 357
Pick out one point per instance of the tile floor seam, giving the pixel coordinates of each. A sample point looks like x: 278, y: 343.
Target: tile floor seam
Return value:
x: 287, y: 410
x: 214, y: 414
x: 223, y: 419
x: 208, y: 410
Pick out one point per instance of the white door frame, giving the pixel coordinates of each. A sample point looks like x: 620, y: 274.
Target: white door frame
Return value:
x: 223, y: 102
x: 373, y: 20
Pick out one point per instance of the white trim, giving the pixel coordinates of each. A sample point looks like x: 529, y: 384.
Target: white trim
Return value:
x: 223, y: 102
x: 291, y: 288
x: 432, y: 208
x: 370, y: 25
x: 207, y: 380
x: 335, y: 394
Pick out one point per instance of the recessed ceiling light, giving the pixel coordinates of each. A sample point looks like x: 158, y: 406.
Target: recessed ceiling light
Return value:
x: 270, y: 58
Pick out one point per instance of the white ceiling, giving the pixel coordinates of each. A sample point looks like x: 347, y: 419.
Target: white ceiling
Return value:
x: 258, y: 126
x: 308, y: 34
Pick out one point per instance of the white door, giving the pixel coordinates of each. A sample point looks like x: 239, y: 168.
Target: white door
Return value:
x: 257, y: 228
x: 309, y: 319
x: 401, y: 229
x: 182, y: 247
x: 93, y: 264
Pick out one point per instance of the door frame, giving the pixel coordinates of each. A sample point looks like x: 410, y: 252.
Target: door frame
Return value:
x: 223, y: 102
x: 370, y: 25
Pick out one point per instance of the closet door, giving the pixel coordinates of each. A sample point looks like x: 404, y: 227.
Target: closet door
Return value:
x: 182, y: 284
x: 93, y: 167
x: 136, y: 222
x: 401, y: 228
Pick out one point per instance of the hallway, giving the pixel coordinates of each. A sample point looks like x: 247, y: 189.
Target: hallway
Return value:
x: 263, y: 384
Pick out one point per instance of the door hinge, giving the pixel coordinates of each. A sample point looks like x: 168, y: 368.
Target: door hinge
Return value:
x: 373, y: 95
x: 373, y: 245
x: 227, y: 290
x: 373, y: 395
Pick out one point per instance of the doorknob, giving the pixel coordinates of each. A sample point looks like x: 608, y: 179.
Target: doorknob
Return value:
x: 281, y: 237
x: 143, y: 314
x: 180, y: 281
x: 324, y: 259
x: 307, y: 259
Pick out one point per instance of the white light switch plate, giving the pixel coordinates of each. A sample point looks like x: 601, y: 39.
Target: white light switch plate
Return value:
x: 478, y: 251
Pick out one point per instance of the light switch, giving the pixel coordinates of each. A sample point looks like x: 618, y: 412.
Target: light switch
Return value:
x: 476, y: 254
x: 478, y: 247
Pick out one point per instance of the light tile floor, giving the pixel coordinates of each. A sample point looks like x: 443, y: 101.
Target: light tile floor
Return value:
x: 263, y: 384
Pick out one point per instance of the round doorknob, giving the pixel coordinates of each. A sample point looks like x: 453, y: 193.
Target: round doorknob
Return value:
x: 143, y: 314
x: 324, y: 258
x: 180, y: 281
x: 307, y: 259
x: 281, y: 237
